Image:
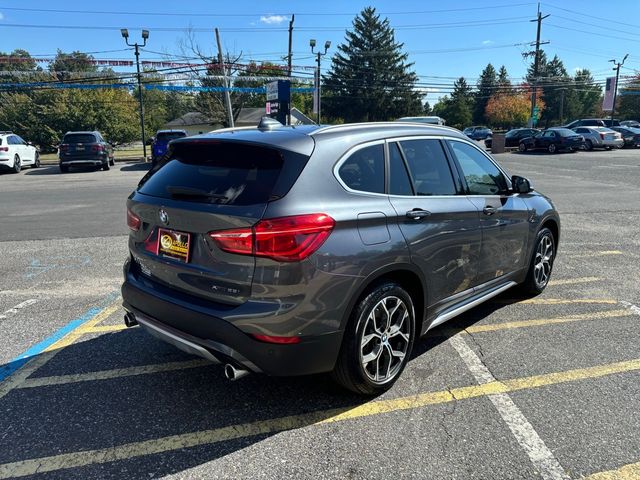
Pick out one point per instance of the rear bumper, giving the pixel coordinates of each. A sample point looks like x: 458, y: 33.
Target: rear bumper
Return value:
x: 210, y: 335
x: 83, y: 162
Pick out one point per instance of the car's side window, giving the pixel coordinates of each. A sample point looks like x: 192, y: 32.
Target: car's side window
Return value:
x: 399, y: 181
x: 12, y: 140
x: 364, y: 169
x: 480, y: 173
x: 429, y: 167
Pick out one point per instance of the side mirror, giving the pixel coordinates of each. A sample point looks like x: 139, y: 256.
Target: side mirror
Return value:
x: 520, y: 184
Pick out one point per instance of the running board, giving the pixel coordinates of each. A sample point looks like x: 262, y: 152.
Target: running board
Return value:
x: 473, y: 302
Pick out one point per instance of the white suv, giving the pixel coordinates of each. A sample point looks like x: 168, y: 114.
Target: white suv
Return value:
x: 15, y: 153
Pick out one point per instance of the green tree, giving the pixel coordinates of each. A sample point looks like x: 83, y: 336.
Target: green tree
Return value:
x: 65, y: 64
x: 458, y: 111
x: 504, y: 83
x: 486, y: 87
x: 370, y: 78
x: 583, y: 100
x: 18, y: 60
x: 426, y: 109
x: 629, y: 99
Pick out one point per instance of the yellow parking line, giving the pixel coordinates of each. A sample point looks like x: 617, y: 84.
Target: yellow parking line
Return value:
x: 554, y: 301
x: 109, y: 374
x: 628, y: 472
x: 52, y: 350
x: 492, y: 327
x: 106, y: 328
x: 207, y: 437
x: 574, y: 281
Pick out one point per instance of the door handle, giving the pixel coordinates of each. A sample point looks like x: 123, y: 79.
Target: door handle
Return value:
x: 418, y: 213
x: 489, y: 210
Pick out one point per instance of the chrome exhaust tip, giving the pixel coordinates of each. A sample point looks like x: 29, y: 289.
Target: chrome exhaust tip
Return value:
x: 130, y: 319
x: 232, y: 373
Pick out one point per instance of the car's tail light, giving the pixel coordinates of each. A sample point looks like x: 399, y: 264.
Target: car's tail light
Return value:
x: 4, y: 149
x: 602, y: 136
x: 64, y: 147
x: 133, y: 221
x: 97, y: 148
x: 274, y: 339
x: 286, y: 239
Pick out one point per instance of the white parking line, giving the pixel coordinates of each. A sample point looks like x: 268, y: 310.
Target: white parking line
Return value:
x: 539, y: 454
x: 634, y: 308
x: 15, y: 309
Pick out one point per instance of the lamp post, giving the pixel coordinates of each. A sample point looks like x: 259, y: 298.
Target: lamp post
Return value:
x: 615, y: 91
x: 312, y: 44
x: 145, y: 36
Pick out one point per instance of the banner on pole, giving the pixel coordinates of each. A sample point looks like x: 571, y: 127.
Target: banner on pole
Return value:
x: 609, y: 91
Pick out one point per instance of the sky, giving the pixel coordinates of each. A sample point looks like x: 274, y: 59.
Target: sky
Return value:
x: 445, y: 40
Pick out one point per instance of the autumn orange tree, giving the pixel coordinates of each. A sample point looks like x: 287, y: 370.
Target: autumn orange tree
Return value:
x: 510, y: 109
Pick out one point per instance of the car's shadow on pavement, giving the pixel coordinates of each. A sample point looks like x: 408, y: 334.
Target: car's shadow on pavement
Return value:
x: 137, y: 167
x: 158, y: 423
x: 55, y: 170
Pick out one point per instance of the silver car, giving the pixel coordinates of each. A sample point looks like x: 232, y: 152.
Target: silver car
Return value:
x: 600, y: 137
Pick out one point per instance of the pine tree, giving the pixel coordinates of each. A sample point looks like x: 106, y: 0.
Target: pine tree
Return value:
x: 459, y: 105
x: 370, y: 78
x: 486, y: 87
x: 504, y: 84
x: 426, y: 109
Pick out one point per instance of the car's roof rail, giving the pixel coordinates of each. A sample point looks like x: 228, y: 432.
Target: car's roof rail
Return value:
x: 6, y: 132
x: 356, y: 126
x: 232, y: 129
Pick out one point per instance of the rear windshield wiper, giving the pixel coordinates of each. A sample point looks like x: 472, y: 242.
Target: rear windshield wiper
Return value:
x: 195, y: 193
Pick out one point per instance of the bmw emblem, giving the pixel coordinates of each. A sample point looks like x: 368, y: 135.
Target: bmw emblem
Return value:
x: 164, y: 216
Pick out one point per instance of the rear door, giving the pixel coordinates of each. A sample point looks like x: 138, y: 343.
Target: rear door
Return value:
x: 504, y: 216
x: 441, y: 227
x: 206, y: 187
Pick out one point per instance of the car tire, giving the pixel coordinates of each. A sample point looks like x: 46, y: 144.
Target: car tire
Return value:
x: 36, y: 163
x: 112, y: 161
x: 17, y: 164
x: 589, y: 145
x: 541, y: 264
x: 522, y: 148
x: 105, y: 166
x: 382, y: 329
x: 551, y: 148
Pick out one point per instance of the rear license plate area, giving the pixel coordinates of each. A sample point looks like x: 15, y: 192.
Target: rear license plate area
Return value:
x: 174, y: 244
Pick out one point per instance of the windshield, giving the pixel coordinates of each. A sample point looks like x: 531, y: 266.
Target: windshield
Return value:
x: 79, y: 138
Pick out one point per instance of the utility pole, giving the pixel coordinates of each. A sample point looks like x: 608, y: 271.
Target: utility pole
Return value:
x: 289, y: 60
x: 312, y: 44
x: 145, y: 35
x: 615, y: 91
x: 536, y: 61
x: 562, y: 90
x: 227, y: 96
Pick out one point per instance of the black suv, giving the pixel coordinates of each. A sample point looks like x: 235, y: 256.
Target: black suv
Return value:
x: 85, y: 149
x: 299, y: 250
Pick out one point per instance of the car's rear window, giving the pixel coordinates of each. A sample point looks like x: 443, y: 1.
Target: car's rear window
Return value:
x: 564, y: 132
x: 167, y: 136
x: 224, y: 172
x: 79, y: 138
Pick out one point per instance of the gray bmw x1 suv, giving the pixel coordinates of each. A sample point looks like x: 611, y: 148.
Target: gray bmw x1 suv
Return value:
x: 300, y: 250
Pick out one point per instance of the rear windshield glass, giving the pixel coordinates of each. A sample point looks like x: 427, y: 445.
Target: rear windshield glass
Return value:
x: 167, y: 136
x: 564, y: 132
x: 223, y: 173
x: 79, y: 138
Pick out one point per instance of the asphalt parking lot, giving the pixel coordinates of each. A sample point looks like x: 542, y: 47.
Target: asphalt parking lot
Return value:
x: 543, y: 388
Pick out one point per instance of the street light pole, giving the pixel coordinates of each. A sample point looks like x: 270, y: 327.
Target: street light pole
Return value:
x: 615, y: 91
x: 145, y: 36
x: 312, y: 44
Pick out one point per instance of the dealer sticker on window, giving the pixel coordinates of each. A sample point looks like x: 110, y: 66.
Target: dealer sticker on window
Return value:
x: 174, y: 244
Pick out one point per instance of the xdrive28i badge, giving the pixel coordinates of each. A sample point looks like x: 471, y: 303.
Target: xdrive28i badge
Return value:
x: 164, y: 216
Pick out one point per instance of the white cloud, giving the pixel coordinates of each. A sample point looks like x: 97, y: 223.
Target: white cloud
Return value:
x: 488, y: 42
x: 273, y: 19
x: 1, y: 16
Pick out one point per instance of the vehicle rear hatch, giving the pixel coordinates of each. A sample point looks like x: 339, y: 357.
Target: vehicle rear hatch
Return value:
x: 79, y: 145
x: 206, y: 186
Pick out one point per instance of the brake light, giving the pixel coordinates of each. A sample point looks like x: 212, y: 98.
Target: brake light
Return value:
x: 133, y: 221
x: 273, y: 339
x: 602, y: 136
x: 4, y: 149
x: 97, y: 148
x: 286, y: 239
x: 64, y: 147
